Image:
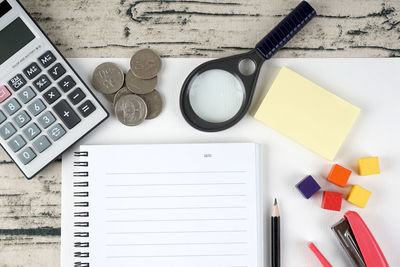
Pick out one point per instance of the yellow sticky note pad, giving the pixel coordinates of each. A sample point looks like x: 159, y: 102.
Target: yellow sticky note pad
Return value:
x: 307, y: 113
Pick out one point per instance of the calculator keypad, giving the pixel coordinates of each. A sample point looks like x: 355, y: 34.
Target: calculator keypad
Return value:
x: 47, y: 59
x: 27, y: 155
x: 17, y: 143
x: 56, y: 71
x: 67, y: 114
x: 56, y: 132
x: 41, y: 144
x: 17, y: 82
x: 2, y: 117
x: 26, y: 95
x: 12, y: 107
x: 86, y: 108
x: 46, y: 119
x: 4, y: 94
x: 7, y: 131
x: 45, y: 106
x: 21, y: 119
x: 32, y: 71
x: 42, y: 83
x: 31, y: 131
x: 52, y: 95
x: 76, y: 96
x: 36, y: 107
x: 66, y: 84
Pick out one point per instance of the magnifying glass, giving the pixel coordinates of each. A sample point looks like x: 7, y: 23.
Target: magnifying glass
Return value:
x: 217, y: 94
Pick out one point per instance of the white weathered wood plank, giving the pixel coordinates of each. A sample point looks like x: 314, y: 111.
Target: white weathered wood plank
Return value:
x: 30, y: 203
x: 30, y: 210
x: 28, y: 250
x: 358, y: 28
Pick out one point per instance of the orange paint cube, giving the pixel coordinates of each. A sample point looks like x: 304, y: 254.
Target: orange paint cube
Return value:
x: 339, y: 175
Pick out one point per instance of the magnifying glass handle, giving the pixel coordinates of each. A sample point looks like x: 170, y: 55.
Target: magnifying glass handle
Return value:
x: 286, y: 29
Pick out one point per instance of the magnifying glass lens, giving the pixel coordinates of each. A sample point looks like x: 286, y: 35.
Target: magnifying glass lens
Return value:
x: 216, y: 95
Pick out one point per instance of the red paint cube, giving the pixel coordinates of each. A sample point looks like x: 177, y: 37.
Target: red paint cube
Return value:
x: 332, y: 201
x: 339, y: 175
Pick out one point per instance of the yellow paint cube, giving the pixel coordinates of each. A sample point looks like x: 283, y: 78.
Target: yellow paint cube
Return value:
x: 358, y: 196
x: 368, y: 166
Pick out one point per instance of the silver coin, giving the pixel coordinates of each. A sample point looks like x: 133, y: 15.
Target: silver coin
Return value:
x: 131, y: 110
x: 139, y: 86
x: 108, y: 78
x: 146, y: 64
x: 154, y: 104
x: 123, y: 91
x: 110, y: 97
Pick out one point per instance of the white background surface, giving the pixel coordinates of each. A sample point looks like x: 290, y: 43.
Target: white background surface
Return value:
x: 371, y: 84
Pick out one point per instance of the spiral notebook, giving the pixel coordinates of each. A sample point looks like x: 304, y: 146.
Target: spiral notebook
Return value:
x: 162, y: 205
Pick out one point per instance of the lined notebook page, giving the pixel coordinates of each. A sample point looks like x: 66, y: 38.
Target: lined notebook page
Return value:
x: 174, y: 205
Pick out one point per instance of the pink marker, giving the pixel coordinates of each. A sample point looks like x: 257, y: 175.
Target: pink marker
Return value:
x: 319, y: 255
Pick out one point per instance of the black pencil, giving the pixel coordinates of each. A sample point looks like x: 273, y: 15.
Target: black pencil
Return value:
x: 275, y: 237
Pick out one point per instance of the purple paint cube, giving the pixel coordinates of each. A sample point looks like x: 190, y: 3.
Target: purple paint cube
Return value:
x: 308, y: 186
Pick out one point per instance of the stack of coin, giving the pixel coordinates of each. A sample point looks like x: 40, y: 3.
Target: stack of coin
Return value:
x: 133, y: 94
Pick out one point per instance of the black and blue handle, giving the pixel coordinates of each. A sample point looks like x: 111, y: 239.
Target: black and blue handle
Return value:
x: 285, y: 30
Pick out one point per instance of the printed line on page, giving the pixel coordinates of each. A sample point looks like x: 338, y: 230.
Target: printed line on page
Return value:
x: 180, y: 196
x: 198, y: 184
x: 178, y: 232
x: 176, y: 244
x: 177, y: 208
x: 174, y: 172
x: 176, y: 256
x: 177, y: 220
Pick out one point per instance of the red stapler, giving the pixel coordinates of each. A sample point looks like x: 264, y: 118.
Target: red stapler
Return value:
x: 358, y: 241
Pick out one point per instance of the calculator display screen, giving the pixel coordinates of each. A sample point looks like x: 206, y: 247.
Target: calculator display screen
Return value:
x: 14, y: 37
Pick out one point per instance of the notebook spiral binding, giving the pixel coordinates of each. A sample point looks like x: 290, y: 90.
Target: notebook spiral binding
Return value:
x: 81, y: 212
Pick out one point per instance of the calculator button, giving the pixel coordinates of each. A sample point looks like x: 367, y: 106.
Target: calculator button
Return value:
x: 7, y: 131
x: 86, y: 108
x: 31, y: 131
x: 66, y: 114
x: 32, y: 71
x: 56, y: 71
x: 46, y: 119
x: 17, y: 82
x: 52, y: 95
x: 41, y: 144
x: 2, y: 117
x: 22, y: 118
x: 47, y: 59
x: 4, y: 94
x: 27, y: 155
x: 12, y: 107
x: 42, y: 83
x: 17, y: 143
x: 56, y: 132
x: 36, y: 107
x: 67, y: 84
x: 26, y: 95
x: 76, y: 96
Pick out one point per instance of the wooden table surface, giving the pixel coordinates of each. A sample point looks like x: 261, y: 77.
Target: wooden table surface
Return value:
x: 30, y: 211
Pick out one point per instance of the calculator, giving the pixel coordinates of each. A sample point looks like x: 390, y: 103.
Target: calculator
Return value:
x: 45, y: 107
